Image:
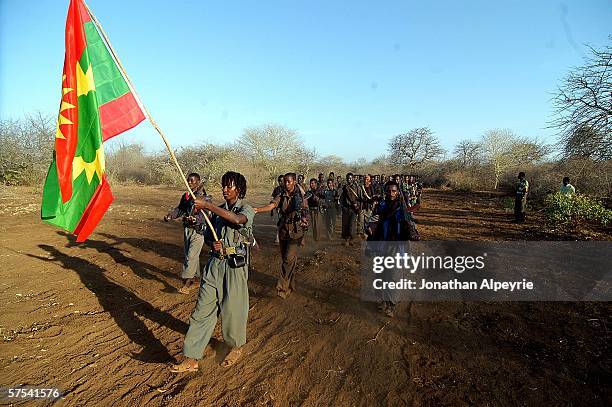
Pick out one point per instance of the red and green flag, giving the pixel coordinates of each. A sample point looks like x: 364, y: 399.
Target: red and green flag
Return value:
x: 97, y: 104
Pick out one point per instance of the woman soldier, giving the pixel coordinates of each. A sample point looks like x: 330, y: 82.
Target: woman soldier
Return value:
x: 223, y: 289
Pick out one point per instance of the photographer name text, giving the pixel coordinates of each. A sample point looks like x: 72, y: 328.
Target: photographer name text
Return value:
x: 454, y: 284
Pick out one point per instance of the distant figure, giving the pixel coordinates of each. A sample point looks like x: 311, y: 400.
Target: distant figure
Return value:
x: 276, y: 192
x: 567, y: 188
x: 330, y: 195
x: 321, y: 180
x: 366, y: 200
x: 301, y: 183
x: 349, y: 201
x: 314, y: 197
x: 520, y: 202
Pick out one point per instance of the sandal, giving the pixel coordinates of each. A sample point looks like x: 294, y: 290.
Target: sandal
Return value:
x: 183, y: 368
x: 284, y: 293
x: 232, y: 357
x: 187, y: 288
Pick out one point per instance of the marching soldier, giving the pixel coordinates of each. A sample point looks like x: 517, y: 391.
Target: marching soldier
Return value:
x: 292, y: 224
x: 321, y: 181
x: 301, y: 183
x: 277, y: 191
x: 193, y: 231
x: 391, y: 220
x: 349, y: 201
x: 330, y: 195
x: 366, y: 200
x: 313, y: 198
x: 224, y: 289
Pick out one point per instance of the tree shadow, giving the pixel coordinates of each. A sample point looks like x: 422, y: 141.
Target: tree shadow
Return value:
x: 123, y: 305
x: 141, y: 269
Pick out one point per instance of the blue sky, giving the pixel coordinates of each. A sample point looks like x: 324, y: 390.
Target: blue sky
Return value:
x: 347, y: 75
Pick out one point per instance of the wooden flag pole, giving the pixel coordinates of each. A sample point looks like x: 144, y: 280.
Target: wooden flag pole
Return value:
x: 147, y: 114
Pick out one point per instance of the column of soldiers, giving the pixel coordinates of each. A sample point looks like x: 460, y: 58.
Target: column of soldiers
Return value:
x: 372, y: 207
x: 376, y: 208
x: 353, y: 199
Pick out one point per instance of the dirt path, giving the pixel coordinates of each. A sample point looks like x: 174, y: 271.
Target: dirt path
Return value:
x: 101, y: 320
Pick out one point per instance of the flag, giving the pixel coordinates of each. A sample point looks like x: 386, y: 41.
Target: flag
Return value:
x: 96, y: 104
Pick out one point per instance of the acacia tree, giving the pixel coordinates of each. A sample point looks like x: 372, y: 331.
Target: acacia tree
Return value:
x: 414, y: 148
x: 583, y: 108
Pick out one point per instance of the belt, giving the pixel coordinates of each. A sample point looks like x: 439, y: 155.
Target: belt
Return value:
x: 226, y: 251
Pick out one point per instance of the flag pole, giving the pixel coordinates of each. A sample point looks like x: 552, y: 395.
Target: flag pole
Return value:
x: 147, y: 114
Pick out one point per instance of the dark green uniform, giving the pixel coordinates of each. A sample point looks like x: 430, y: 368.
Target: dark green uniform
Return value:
x: 520, y: 202
x: 330, y: 210
x: 193, y: 231
x: 313, y: 198
x: 349, y: 201
x: 291, y: 210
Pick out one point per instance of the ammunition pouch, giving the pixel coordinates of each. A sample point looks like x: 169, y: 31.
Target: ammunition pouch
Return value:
x: 236, y: 255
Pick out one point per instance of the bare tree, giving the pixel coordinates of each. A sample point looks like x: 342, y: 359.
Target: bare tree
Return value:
x: 209, y: 160
x: 414, y: 148
x: 504, y: 151
x: 27, y: 147
x: 467, y: 152
x: 583, y: 108
x: 304, y: 159
x: 270, y: 147
x: 127, y: 162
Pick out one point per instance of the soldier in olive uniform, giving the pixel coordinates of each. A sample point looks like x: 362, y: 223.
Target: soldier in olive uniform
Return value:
x: 292, y: 224
x: 366, y: 200
x: 277, y: 191
x: 330, y: 195
x: 223, y: 290
x: 301, y: 183
x: 520, y: 202
x: 193, y: 231
x: 321, y: 181
x: 313, y: 198
x: 349, y: 201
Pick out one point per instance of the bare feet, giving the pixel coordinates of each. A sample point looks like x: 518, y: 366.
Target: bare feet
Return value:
x: 188, y: 365
x: 232, y: 357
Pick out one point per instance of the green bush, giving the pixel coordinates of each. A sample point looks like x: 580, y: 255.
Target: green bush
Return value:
x: 571, y: 210
x: 508, y: 203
